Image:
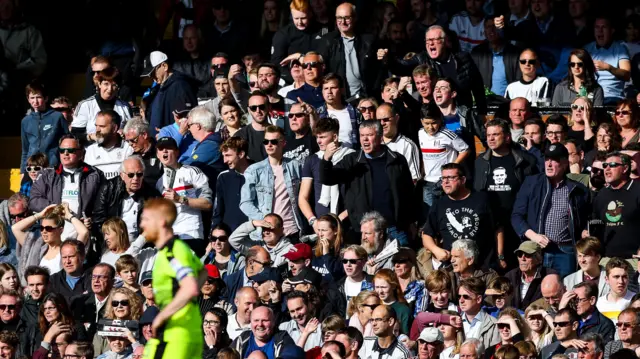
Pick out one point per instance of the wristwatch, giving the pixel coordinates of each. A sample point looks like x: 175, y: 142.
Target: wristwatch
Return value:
x: 500, y: 257
x: 312, y: 220
x: 184, y: 200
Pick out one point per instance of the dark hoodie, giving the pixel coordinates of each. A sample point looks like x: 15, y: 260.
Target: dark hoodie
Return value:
x: 174, y: 94
x: 40, y: 132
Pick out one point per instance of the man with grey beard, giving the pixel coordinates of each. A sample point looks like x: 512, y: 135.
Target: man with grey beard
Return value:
x: 109, y: 150
x: 374, y: 240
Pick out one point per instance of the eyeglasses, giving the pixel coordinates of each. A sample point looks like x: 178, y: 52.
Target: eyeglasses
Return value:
x: 255, y: 108
x: 624, y: 325
x: 350, y: 261
x: 99, y: 277
x: 371, y: 306
x: 211, y: 322
x: 618, y: 113
x: 344, y: 18
x: 449, y: 178
x: 64, y: 151
x: 273, y: 142
x: 49, y: 309
x: 435, y: 40
x: 577, y: 107
x: 220, y: 238
x: 561, y: 324
x: 576, y: 64
x: 117, y: 303
x: 528, y: 61
x: 311, y: 65
x: 9, y: 307
x: 367, y: 108
x: 378, y: 320
x: 136, y: 174
x: 252, y: 83
x: 554, y: 133
x: 34, y: 168
x: 611, y: 164
x: 47, y: 228
x: 19, y: 215
x: 503, y: 326
x: 264, y: 264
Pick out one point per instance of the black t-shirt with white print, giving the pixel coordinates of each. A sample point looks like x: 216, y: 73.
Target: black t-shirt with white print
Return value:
x: 502, y: 184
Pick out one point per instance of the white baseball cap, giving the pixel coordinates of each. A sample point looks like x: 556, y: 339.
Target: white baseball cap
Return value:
x: 152, y: 61
x: 431, y: 334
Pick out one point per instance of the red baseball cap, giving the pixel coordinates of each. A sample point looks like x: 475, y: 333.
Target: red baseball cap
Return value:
x: 299, y: 251
x: 212, y: 271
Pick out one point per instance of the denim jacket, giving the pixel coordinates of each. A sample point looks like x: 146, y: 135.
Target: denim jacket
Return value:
x: 256, y: 195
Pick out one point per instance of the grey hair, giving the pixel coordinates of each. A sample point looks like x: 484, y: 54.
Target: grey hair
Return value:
x: 372, y: 124
x: 379, y: 223
x: 596, y: 339
x: 138, y: 125
x: 314, y: 53
x: 468, y: 247
x: 133, y: 157
x: 203, y: 117
x: 477, y: 344
x: 17, y: 197
x: 437, y: 27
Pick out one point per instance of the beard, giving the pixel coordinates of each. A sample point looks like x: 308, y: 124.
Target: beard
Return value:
x: 371, y: 248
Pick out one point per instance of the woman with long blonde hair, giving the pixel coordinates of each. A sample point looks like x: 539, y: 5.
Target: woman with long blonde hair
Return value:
x: 453, y: 337
x: 581, y: 121
x: 122, y: 304
x: 42, y: 247
x: 541, y: 324
x: 326, y: 258
x: 360, y: 309
x: 388, y: 288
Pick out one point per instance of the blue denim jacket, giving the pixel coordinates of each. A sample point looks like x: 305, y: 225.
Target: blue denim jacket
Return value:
x: 256, y: 196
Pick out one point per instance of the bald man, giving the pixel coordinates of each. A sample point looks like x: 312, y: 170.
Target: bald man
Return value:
x: 552, y: 290
x: 384, y: 318
x: 246, y: 300
x: 397, y: 142
x: 257, y: 354
x: 257, y: 259
x: 519, y: 112
x: 263, y: 336
x: 350, y: 54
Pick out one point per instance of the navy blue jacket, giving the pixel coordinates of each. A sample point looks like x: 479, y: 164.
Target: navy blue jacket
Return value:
x: 40, y: 132
x: 533, y: 202
x: 226, y: 207
x: 232, y: 282
x: 207, y: 157
x: 172, y: 95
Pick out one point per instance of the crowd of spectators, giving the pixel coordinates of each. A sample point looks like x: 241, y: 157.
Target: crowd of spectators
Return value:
x: 323, y: 158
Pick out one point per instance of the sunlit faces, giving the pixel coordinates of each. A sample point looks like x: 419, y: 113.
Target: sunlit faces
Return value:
x: 230, y: 116
x: 528, y: 63
x: 352, y: 264
x: 37, y: 101
x: 222, y: 86
x: 370, y: 140
x: 435, y: 43
x: 300, y: 19
x: 331, y: 92
x: 371, y: 239
x: 423, y: 85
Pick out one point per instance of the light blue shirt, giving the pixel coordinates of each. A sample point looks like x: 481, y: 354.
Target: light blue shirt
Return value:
x: 472, y: 329
x: 499, y: 76
x: 611, y: 85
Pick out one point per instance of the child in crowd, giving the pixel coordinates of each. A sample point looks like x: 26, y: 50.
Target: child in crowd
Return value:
x: 35, y: 164
x: 127, y: 270
x: 499, y: 294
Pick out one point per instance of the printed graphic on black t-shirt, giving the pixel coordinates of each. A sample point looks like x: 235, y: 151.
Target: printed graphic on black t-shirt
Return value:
x: 502, y: 184
x: 619, y: 210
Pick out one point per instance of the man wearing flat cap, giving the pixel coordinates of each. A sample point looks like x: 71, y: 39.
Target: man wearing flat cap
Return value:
x: 527, y: 277
x: 551, y: 210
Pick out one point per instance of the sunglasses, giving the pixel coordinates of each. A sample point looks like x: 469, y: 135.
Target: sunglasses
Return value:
x: 618, y: 113
x: 4, y: 307
x: 273, y: 142
x: 210, y: 281
x: 465, y: 296
x: 220, y: 238
x: 137, y: 174
x: 62, y: 109
x: 561, y: 324
x: 67, y: 150
x: 294, y: 63
x: 576, y: 64
x: 577, y: 107
x: 596, y: 171
x: 535, y: 317
x: 255, y: 108
x: 134, y: 140
x: 297, y: 115
x: 367, y: 108
x: 350, y: 261
x: 48, y: 228
x: 217, y: 66
x: 310, y: 65
x: 34, y: 168
x: 19, y: 215
x: 252, y: 83
x: 371, y: 306
x: 400, y: 261
x: 384, y: 119
x: 117, y: 303
x: 624, y: 325
x: 503, y: 326
x: 611, y: 164
x: 528, y: 61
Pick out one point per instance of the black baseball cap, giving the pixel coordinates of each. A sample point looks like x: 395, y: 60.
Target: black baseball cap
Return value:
x: 166, y: 142
x: 556, y: 151
x: 307, y: 276
x: 148, y: 275
x: 267, y: 274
